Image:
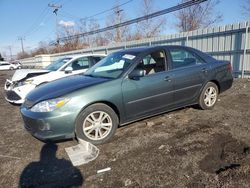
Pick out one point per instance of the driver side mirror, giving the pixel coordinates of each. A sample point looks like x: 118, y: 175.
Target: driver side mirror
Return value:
x: 136, y: 74
x: 68, y: 70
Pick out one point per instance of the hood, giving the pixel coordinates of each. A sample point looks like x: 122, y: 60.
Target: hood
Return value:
x: 48, y: 77
x: 62, y: 87
x: 23, y: 73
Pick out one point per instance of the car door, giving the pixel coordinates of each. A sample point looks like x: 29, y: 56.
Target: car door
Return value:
x: 5, y: 66
x: 80, y: 65
x: 1, y: 66
x: 189, y: 73
x: 152, y: 92
x: 95, y: 59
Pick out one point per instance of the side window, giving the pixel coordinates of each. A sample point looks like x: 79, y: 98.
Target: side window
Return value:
x: 95, y: 60
x: 153, y: 63
x: 183, y: 58
x: 81, y: 63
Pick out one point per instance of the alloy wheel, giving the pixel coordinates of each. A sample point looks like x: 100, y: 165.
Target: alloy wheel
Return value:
x: 210, y: 96
x: 97, y: 125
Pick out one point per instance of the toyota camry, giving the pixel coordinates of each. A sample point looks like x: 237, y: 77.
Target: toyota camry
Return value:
x: 124, y: 87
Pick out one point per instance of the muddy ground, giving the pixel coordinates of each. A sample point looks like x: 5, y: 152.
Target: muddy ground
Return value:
x: 185, y: 148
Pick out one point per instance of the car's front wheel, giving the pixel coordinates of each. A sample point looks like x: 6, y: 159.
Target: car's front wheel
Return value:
x: 96, y: 124
x: 208, y: 96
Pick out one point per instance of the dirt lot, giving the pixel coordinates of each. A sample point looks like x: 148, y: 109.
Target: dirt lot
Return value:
x: 185, y: 148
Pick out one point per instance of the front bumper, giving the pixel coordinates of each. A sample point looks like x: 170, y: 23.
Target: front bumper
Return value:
x: 49, y: 126
x: 16, y: 94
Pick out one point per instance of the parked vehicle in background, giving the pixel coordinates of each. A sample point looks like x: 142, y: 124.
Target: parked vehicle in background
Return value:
x: 17, y: 64
x: 4, y: 65
x: 124, y: 87
x: 25, y: 80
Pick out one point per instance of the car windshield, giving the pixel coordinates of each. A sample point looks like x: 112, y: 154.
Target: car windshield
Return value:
x: 112, y: 66
x: 57, y: 64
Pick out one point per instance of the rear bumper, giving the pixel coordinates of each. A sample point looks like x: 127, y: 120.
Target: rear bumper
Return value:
x: 226, y: 84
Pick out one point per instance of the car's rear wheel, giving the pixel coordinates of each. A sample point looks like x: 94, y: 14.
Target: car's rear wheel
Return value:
x: 11, y: 68
x: 96, y: 124
x: 208, y: 96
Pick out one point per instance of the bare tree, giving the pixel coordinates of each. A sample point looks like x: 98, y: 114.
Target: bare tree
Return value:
x: 96, y: 39
x: 71, y: 43
x: 22, y: 55
x: 43, y: 48
x: 198, y: 16
x: 150, y: 27
x: 121, y: 33
x: 246, y: 8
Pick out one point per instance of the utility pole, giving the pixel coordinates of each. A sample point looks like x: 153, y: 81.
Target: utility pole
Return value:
x: 119, y: 19
x: 21, y: 39
x: 9, y: 47
x: 55, y: 10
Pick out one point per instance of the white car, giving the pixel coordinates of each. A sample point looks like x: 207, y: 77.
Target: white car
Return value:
x: 25, y: 80
x: 4, y: 65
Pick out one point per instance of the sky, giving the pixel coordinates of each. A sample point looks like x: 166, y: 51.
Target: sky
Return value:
x: 34, y: 20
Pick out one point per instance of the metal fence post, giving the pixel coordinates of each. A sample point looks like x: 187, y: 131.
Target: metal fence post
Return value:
x: 244, y: 53
x: 187, y: 39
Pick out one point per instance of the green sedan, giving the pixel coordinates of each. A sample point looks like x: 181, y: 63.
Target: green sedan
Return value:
x: 124, y: 87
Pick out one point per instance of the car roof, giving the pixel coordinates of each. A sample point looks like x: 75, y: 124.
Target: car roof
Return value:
x: 143, y: 49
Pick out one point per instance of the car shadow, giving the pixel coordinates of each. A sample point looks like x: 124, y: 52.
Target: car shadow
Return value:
x: 50, y: 171
x: 195, y: 107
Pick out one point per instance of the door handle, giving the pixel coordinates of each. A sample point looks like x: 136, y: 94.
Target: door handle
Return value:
x: 167, y: 79
x: 204, y: 70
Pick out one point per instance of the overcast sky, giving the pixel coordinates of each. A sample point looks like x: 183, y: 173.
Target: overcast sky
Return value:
x: 34, y: 20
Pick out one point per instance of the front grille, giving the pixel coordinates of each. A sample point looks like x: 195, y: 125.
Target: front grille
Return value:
x: 11, y: 95
x: 28, y: 125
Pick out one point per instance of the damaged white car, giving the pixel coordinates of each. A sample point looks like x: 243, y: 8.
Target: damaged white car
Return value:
x: 25, y: 80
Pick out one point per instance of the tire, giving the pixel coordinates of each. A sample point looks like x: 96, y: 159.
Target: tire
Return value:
x: 208, y: 96
x: 11, y: 68
x: 89, y: 128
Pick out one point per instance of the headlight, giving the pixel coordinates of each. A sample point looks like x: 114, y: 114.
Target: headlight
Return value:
x: 28, y: 81
x: 49, y: 105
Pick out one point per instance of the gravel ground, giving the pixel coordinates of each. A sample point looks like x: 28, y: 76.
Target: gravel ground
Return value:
x: 184, y: 148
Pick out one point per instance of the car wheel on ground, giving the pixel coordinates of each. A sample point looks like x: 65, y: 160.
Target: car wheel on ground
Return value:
x: 208, y: 96
x: 11, y: 68
x: 96, y: 124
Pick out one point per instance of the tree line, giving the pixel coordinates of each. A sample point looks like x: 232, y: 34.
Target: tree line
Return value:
x: 198, y: 16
